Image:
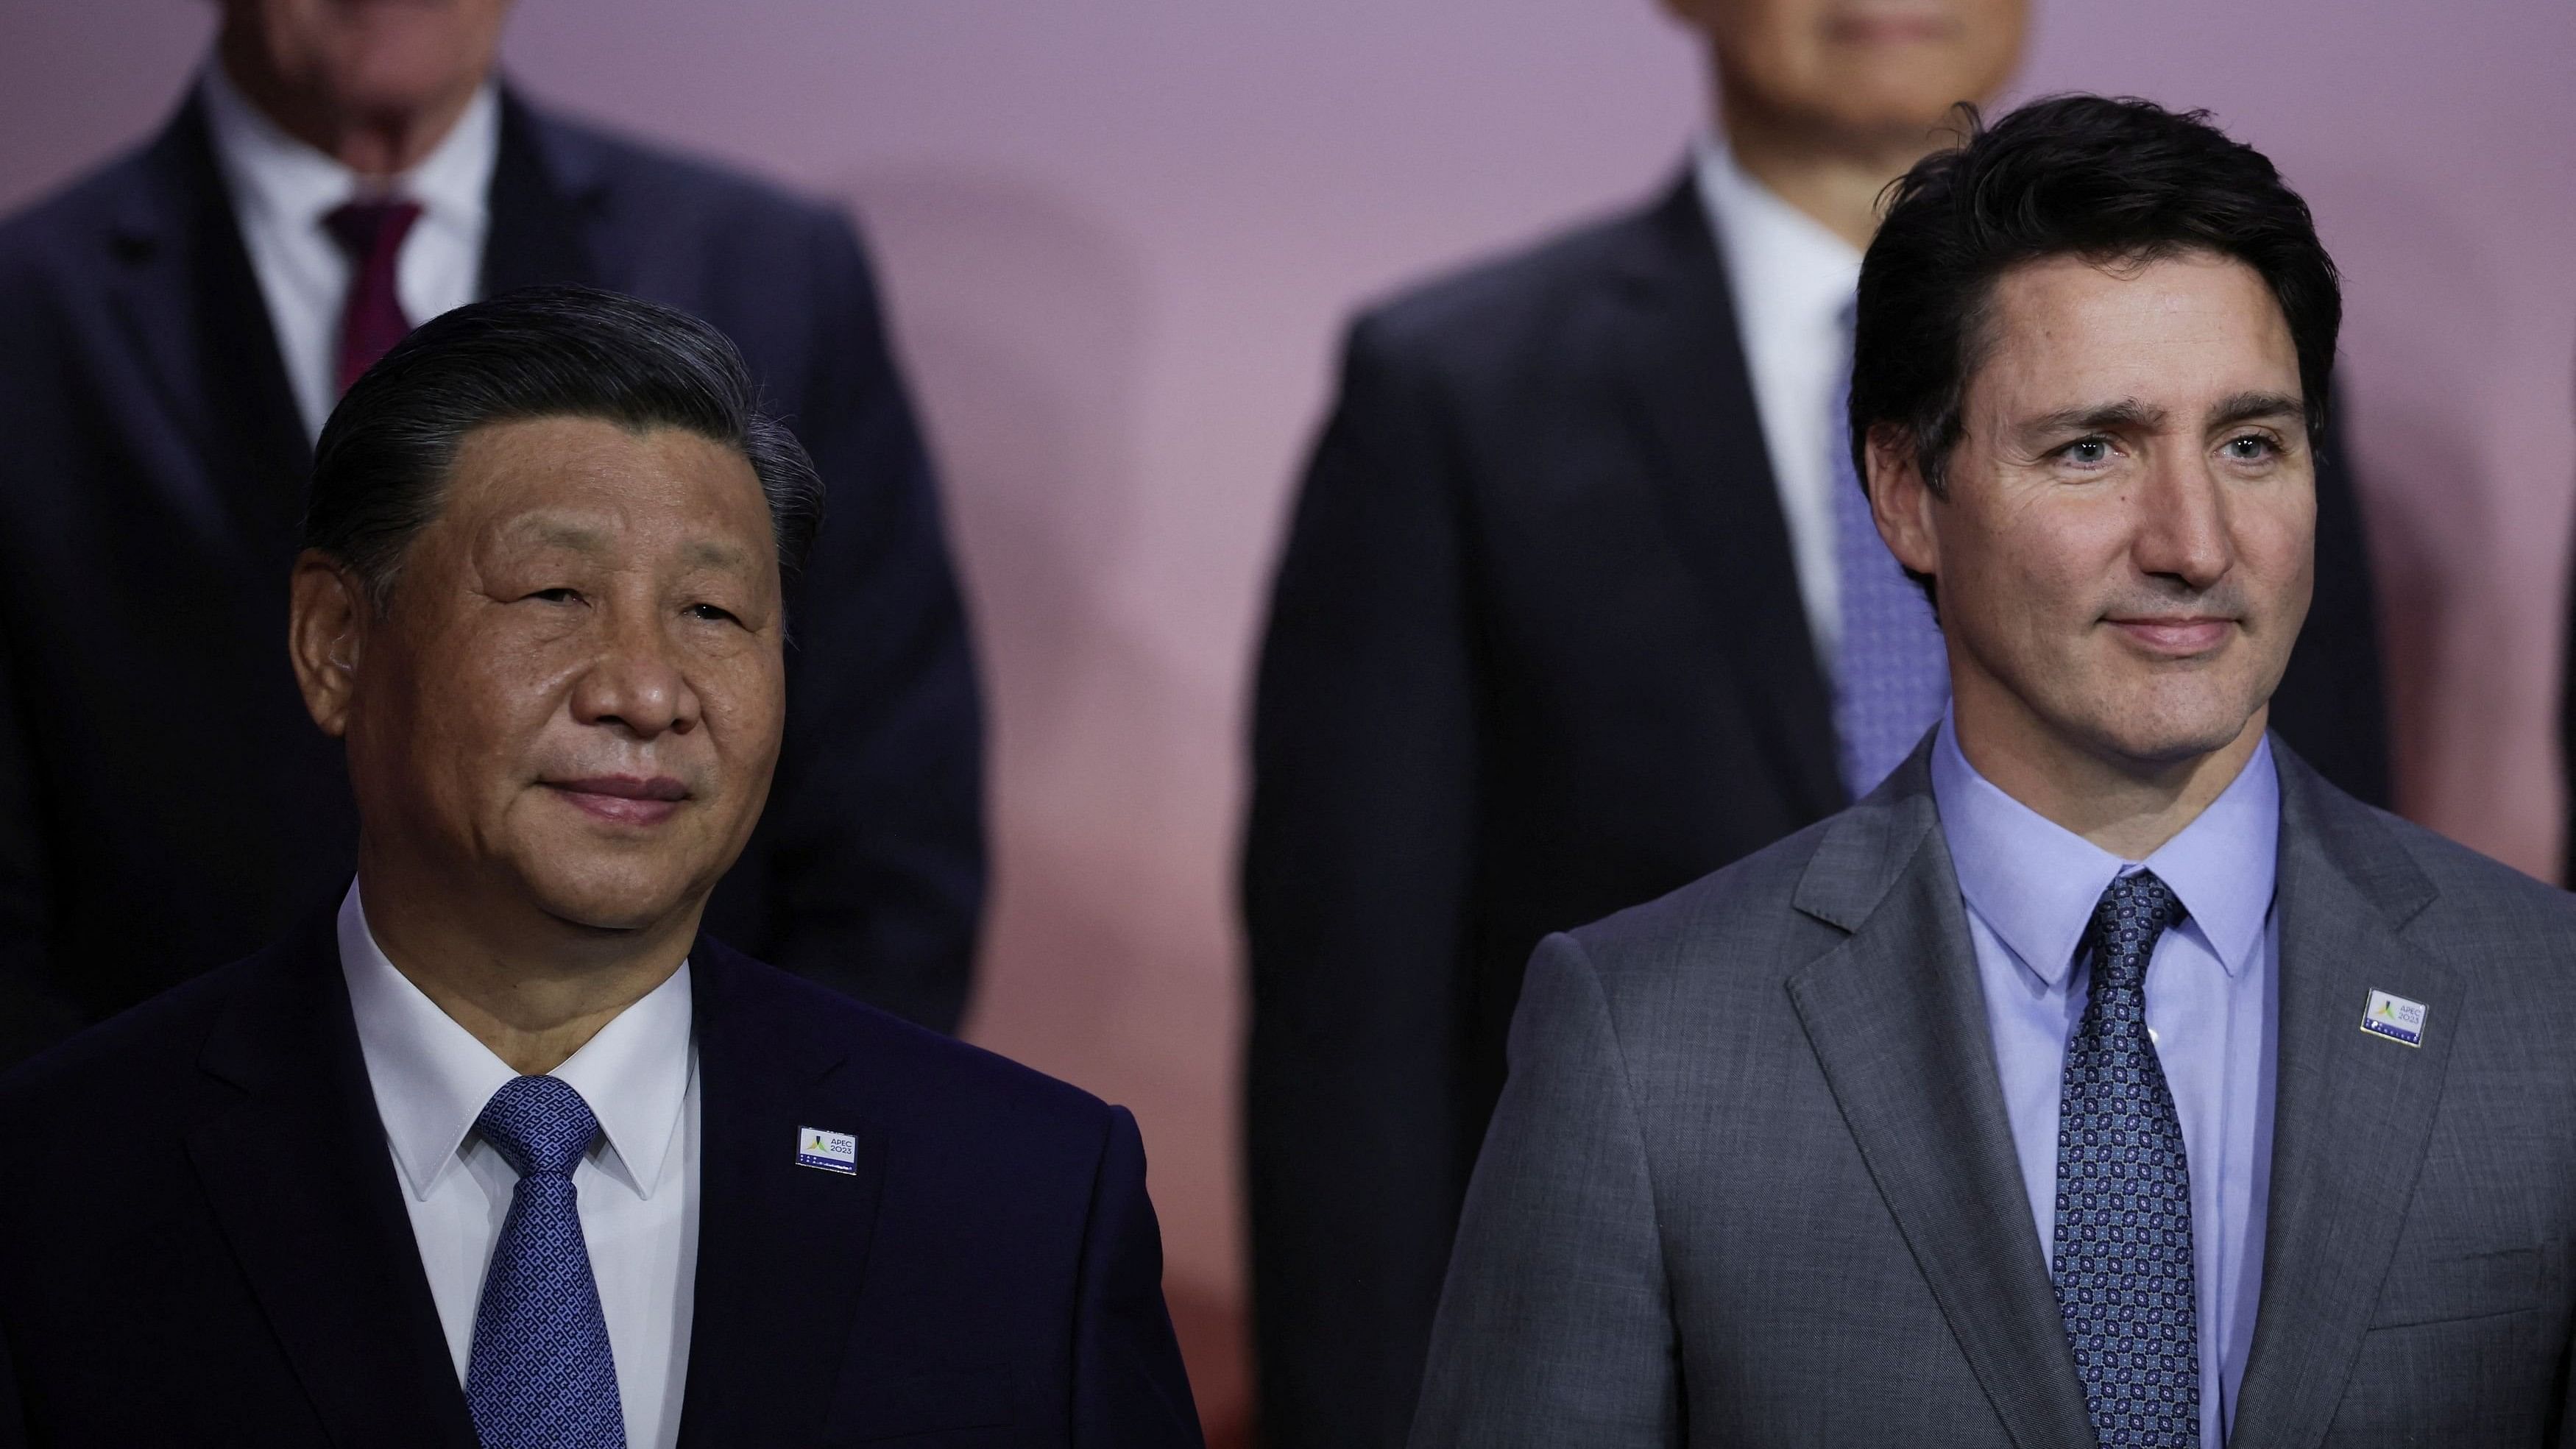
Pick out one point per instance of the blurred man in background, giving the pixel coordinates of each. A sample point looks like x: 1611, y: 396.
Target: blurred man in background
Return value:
x: 173, y: 331
x: 1581, y: 602
x: 2567, y: 744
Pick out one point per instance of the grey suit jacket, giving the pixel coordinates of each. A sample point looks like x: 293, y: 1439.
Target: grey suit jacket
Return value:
x: 1751, y: 1181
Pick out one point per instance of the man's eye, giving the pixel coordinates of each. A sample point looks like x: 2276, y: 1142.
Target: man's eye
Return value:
x: 2251, y: 448
x: 557, y: 596
x: 711, y: 614
x: 2087, y: 452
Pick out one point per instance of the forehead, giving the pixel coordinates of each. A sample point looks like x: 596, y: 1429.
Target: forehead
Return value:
x: 642, y: 485
x: 2064, y: 331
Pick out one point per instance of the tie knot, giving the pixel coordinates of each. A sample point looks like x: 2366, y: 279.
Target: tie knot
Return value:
x: 539, y: 1125
x: 2133, y: 913
x: 366, y: 229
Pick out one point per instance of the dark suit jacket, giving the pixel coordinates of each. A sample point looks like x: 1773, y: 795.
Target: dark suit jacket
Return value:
x: 204, y: 1242
x: 1537, y: 654
x: 2567, y: 736
x: 1753, y: 1182
x: 164, y: 803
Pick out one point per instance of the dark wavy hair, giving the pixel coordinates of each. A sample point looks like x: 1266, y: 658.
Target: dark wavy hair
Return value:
x: 2121, y: 182
x: 380, y: 470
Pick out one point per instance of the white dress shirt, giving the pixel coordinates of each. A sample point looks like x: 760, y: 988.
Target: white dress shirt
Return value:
x: 281, y: 190
x: 1792, y: 280
x: 638, y: 1188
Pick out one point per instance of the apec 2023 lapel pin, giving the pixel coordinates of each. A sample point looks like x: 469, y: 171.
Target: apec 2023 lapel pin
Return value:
x: 2395, y: 1018
x: 833, y: 1151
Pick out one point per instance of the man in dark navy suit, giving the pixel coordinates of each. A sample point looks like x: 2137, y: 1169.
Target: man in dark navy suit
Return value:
x: 173, y: 330
x: 506, y: 1150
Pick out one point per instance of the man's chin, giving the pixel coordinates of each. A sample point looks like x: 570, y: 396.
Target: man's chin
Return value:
x: 614, y: 905
x: 2158, y: 739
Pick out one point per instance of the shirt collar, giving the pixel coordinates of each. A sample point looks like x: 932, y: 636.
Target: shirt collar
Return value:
x: 1791, y: 273
x: 272, y: 172
x: 2036, y: 883
x: 432, y: 1077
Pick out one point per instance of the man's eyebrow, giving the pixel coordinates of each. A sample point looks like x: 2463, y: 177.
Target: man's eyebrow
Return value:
x: 2246, y: 407
x: 2127, y: 413
x: 715, y: 553
x: 561, y: 533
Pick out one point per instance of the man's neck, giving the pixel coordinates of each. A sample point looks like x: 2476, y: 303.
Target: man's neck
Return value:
x: 2129, y: 808
x: 375, y: 144
x: 533, y: 988
x: 1835, y: 180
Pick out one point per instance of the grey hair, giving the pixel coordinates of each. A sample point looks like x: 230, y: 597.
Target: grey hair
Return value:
x: 380, y: 470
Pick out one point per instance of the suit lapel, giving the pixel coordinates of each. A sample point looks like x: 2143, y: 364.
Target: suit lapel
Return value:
x: 192, y: 310
x: 1897, y: 1021
x: 539, y: 211
x: 2353, y: 1113
x: 191, y: 306
x: 1682, y: 370
x: 299, y: 1177
x: 782, y: 1248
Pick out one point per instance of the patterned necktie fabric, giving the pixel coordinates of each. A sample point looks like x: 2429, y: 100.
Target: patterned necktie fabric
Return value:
x: 1891, y: 677
x: 541, y: 1375
x: 2123, y: 1263
x: 371, y: 320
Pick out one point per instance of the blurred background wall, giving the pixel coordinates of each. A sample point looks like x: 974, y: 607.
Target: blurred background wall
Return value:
x: 1120, y: 237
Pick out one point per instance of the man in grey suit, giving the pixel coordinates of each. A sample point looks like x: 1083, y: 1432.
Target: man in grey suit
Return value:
x: 2106, y: 1076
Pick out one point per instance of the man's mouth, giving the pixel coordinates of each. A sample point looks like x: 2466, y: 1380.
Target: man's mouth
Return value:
x: 624, y: 799
x: 1891, y: 29
x: 2178, y: 635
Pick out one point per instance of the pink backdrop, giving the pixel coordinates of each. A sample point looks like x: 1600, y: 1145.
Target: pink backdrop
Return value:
x: 1120, y: 237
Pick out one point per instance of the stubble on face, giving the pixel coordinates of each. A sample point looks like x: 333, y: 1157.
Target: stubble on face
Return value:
x: 2126, y: 551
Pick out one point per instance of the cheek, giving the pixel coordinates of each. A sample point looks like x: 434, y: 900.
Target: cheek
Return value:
x: 1994, y: 30
x: 499, y: 680
x: 2078, y: 542
x: 744, y: 695
x: 2279, y: 540
x: 1770, y: 45
x: 2030, y: 568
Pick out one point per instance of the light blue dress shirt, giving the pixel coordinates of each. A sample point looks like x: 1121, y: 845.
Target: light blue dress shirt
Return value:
x: 2212, y: 1008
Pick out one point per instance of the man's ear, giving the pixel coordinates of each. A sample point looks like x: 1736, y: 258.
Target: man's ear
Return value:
x: 326, y: 626
x: 1901, y: 502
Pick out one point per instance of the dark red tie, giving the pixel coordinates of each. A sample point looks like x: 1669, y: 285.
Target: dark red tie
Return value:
x: 371, y: 232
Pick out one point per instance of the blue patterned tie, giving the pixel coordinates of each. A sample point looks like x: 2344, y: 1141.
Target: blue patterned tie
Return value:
x: 1891, y: 677
x: 2123, y: 1263
x: 541, y: 1376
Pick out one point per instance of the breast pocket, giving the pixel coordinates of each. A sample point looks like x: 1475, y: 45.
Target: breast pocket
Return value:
x: 953, y: 1403
x: 2440, y: 1287
x: 2482, y: 1373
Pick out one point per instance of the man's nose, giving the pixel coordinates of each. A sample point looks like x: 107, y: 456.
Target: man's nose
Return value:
x: 2182, y: 522
x: 636, y: 684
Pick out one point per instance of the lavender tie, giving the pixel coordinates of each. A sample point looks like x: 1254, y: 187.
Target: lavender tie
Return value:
x: 1891, y: 678
x: 541, y: 1376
